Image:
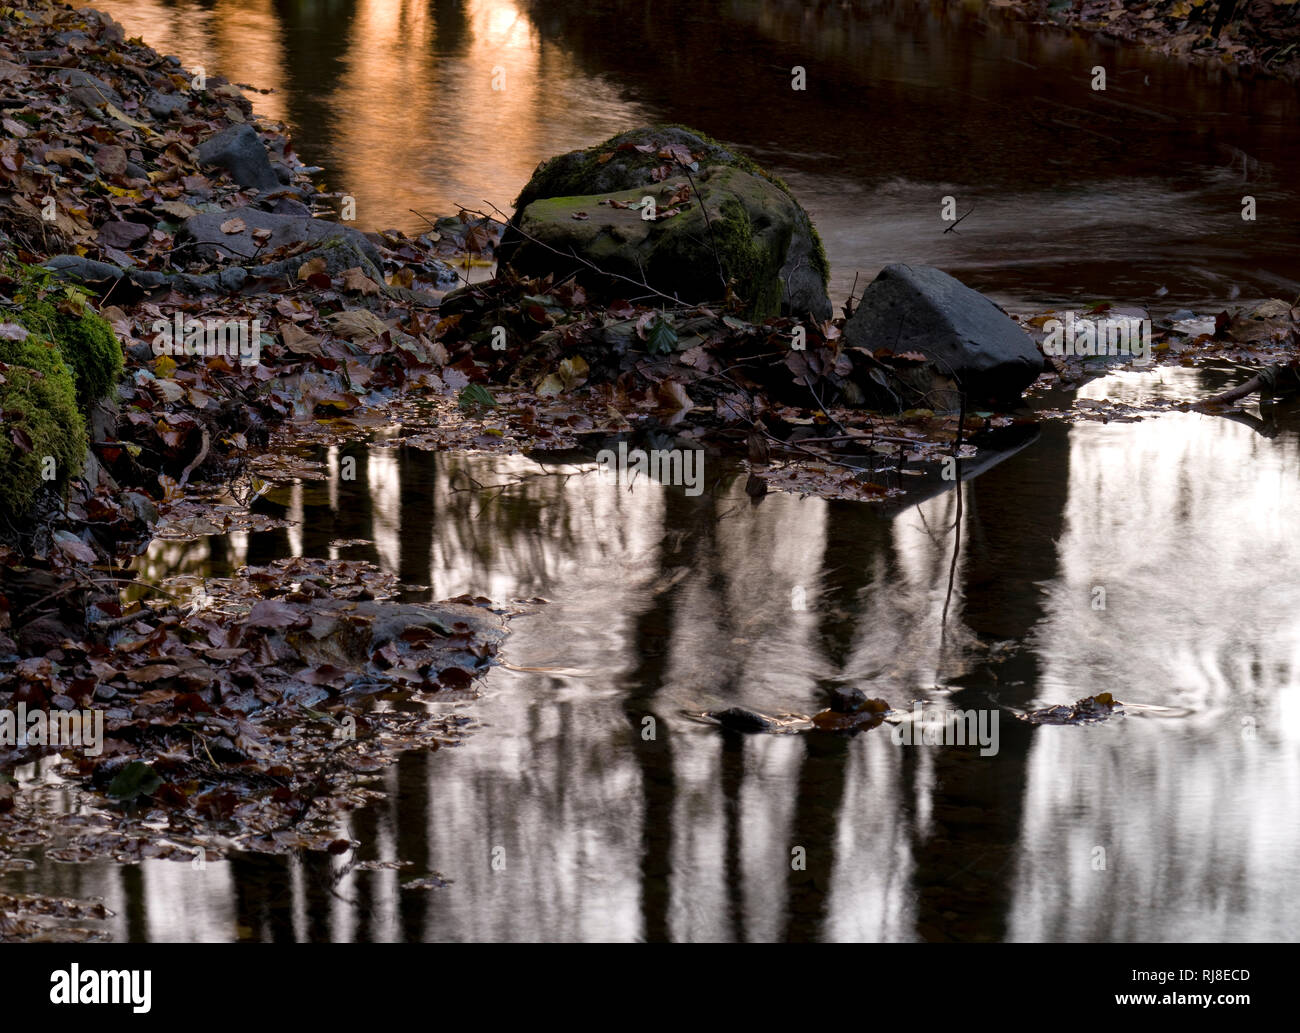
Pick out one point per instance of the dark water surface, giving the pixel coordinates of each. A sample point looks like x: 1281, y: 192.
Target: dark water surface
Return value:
x: 1076, y: 194
x: 663, y: 603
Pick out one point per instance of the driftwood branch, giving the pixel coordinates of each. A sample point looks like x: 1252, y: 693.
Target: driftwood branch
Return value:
x: 1265, y: 380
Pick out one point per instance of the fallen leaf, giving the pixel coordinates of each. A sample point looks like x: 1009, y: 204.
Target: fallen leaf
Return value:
x: 355, y: 280
x: 299, y: 341
x: 311, y: 268
x: 74, y: 547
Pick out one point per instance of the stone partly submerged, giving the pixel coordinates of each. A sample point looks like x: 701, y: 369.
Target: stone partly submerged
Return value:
x: 963, y: 334
x: 721, y: 222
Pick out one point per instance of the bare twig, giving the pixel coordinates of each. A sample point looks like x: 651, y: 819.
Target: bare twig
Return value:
x: 713, y: 240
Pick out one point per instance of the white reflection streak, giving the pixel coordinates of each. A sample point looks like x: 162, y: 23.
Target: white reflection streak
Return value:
x: 1188, y: 522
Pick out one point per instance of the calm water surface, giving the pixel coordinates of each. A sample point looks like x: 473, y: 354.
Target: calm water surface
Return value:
x: 663, y: 603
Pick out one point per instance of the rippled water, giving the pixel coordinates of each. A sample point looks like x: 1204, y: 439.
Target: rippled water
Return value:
x: 1074, y: 193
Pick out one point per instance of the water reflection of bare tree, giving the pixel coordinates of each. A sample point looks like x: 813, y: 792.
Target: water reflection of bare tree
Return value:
x: 687, y: 532
x: 963, y: 872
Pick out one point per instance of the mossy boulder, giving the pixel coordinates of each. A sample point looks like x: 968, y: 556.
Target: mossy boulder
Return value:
x: 89, y: 347
x: 765, y: 242
x: 41, y: 420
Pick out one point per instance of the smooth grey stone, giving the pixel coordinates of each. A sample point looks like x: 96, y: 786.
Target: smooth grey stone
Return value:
x: 964, y: 334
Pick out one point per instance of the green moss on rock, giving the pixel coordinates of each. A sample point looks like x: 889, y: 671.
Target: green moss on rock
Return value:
x: 745, y: 260
x: 88, y: 345
x: 748, y: 231
x: 39, y: 400
x: 583, y: 172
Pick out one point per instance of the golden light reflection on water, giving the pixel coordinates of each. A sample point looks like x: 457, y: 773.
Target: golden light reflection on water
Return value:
x: 409, y: 106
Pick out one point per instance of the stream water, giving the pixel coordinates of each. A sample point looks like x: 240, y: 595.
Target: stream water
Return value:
x: 557, y: 818
x: 1075, y: 194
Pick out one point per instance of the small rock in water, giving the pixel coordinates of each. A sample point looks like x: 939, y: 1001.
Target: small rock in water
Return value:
x: 738, y: 719
x: 847, y: 701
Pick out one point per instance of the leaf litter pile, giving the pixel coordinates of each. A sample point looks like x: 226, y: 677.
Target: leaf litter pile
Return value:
x: 250, y: 716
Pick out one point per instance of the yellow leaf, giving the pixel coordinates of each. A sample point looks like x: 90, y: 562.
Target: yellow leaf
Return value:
x: 573, y: 371
x: 122, y: 117
x: 550, y: 386
x: 310, y: 268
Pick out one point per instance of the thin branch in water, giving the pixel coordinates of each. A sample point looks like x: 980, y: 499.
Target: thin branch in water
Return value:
x: 956, y: 540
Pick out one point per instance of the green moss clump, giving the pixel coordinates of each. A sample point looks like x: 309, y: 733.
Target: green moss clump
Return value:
x: 89, y: 347
x: 39, y: 402
x: 744, y: 261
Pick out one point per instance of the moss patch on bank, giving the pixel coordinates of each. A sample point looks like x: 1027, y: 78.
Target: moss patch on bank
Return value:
x: 88, y: 345
x: 44, y: 439
x: 49, y: 378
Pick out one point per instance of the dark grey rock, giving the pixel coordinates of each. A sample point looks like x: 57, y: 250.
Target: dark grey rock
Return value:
x: 75, y: 267
x: 140, y: 506
x: 87, y: 90
x: 121, y: 234
x: 205, y: 232
x: 240, y: 151
x: 86, y: 270
x: 195, y: 284
x: 964, y: 334
x: 290, y: 206
x: 738, y: 719
x: 233, y: 277
x: 164, y: 105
